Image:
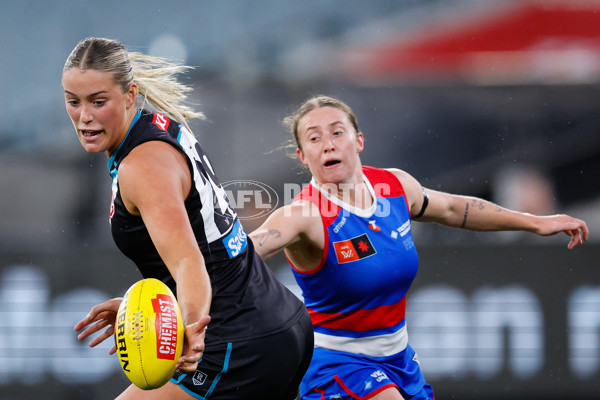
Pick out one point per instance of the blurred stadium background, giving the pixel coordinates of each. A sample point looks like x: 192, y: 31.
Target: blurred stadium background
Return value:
x: 493, y: 98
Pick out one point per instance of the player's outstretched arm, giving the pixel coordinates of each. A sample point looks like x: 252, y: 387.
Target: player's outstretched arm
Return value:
x: 481, y: 215
x: 472, y: 213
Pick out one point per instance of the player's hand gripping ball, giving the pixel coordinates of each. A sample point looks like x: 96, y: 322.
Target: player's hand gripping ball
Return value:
x: 149, y: 334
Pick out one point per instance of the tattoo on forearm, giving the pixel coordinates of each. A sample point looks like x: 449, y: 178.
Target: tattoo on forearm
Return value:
x: 466, y: 215
x: 479, y: 204
x: 262, y: 238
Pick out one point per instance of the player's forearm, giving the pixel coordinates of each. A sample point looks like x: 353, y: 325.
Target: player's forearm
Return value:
x: 481, y: 215
x: 194, y: 291
x: 266, y: 242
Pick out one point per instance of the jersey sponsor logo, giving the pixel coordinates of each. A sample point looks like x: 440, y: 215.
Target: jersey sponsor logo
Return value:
x: 161, y: 121
x: 404, y: 228
x: 236, y: 241
x: 380, y: 376
x: 340, y: 224
x: 373, y: 226
x: 354, y: 249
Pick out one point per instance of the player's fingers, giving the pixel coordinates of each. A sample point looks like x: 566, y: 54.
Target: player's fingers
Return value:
x: 95, y: 314
x: 204, y: 320
x: 93, y: 329
x: 103, y: 336
x: 585, y: 231
x: 193, y: 359
x: 575, y: 238
x: 194, y: 354
x: 189, y: 363
x: 187, y: 367
x: 198, y: 348
x: 83, y: 323
x: 579, y: 237
x: 99, y: 312
x: 198, y: 326
x: 192, y: 328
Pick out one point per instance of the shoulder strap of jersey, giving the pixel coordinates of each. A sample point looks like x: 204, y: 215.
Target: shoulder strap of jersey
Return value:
x: 384, y: 182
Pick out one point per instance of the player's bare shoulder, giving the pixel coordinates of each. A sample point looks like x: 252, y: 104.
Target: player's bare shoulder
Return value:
x: 412, y: 187
x: 303, y: 218
x: 289, y: 225
x: 402, y: 175
x: 302, y: 209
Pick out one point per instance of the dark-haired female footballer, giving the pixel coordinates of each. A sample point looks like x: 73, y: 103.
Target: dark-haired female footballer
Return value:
x: 246, y: 335
x: 348, y: 238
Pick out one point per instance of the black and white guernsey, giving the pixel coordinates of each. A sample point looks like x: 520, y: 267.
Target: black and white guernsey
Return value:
x: 248, y: 300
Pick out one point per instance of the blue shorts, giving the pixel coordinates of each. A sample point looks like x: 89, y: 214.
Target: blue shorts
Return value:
x: 339, y: 375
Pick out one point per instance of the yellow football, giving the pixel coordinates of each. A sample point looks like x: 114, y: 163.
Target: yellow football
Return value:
x: 149, y: 333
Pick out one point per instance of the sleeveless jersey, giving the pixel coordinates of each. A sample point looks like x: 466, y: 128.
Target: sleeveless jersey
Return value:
x: 248, y: 301
x: 357, y: 295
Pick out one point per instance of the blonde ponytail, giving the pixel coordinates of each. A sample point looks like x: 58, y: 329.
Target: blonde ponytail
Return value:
x: 157, y: 83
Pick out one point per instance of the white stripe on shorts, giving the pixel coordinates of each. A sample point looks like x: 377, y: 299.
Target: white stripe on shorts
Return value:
x: 372, y: 346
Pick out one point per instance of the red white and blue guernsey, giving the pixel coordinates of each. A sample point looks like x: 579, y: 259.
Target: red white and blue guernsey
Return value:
x: 356, y: 296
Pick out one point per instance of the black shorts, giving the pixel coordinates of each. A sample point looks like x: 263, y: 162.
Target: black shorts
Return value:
x: 269, y: 367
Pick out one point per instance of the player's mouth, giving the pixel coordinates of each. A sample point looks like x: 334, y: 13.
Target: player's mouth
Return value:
x: 331, y: 163
x: 90, y: 134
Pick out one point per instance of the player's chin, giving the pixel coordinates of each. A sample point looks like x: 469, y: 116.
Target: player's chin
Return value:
x: 91, y: 148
